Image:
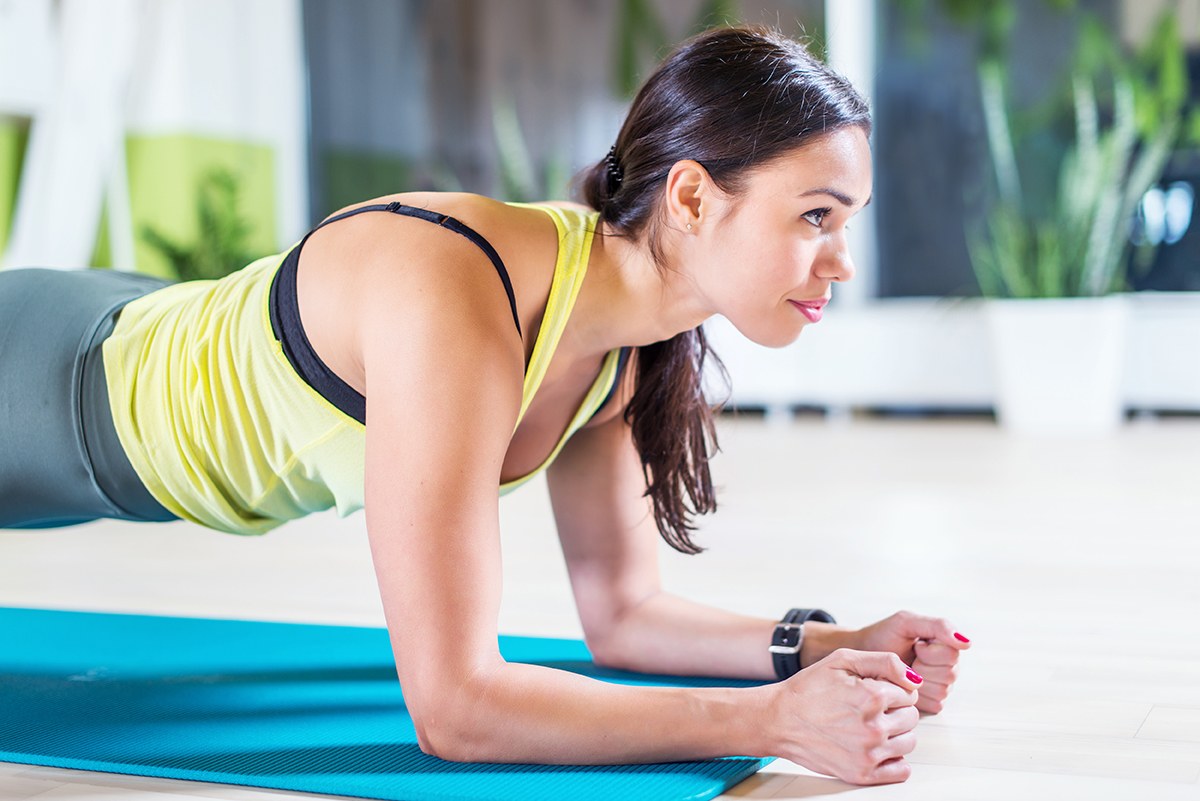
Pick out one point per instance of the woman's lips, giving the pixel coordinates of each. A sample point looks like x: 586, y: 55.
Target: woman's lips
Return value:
x: 812, y: 309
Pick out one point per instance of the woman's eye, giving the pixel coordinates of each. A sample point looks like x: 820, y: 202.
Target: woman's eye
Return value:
x: 817, y: 216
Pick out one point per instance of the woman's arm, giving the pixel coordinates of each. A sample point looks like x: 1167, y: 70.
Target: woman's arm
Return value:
x: 610, y: 541
x: 443, y: 373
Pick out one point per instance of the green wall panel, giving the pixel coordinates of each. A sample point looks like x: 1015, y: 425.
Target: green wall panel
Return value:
x: 102, y: 252
x: 165, y: 173
x: 14, y: 135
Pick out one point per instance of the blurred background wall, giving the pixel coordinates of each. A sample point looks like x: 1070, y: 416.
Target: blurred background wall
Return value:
x: 185, y: 137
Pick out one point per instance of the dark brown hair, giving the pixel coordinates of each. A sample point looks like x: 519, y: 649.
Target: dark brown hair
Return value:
x: 731, y: 99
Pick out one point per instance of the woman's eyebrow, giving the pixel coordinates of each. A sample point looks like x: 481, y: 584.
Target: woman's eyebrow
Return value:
x: 840, y: 197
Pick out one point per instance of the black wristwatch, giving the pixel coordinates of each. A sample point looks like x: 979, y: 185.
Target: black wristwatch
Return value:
x: 789, y: 636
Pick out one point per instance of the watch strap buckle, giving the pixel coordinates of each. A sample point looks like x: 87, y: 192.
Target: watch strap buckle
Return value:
x: 788, y: 638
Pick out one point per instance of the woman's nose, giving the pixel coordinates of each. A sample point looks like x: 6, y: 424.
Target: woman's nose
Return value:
x: 834, y: 263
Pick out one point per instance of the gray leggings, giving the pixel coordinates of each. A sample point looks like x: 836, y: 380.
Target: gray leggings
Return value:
x: 60, y: 460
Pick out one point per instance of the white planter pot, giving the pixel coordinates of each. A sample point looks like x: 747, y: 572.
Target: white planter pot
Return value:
x: 1058, y: 364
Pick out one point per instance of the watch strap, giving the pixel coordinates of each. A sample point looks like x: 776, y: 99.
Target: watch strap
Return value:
x: 788, y: 638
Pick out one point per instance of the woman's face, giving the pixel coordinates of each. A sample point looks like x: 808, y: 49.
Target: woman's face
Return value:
x: 778, y: 246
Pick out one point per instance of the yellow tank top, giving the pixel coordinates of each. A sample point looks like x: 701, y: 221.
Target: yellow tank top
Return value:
x: 224, y: 432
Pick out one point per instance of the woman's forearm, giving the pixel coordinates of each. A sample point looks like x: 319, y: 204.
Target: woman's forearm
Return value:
x: 668, y: 634
x: 851, y: 715
x: 528, y: 713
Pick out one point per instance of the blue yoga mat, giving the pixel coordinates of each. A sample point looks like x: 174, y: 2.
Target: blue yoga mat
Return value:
x: 293, y: 707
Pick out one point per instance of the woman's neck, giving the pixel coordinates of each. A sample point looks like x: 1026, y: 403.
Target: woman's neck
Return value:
x: 627, y: 299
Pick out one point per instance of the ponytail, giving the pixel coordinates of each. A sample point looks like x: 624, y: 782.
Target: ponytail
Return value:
x: 674, y: 434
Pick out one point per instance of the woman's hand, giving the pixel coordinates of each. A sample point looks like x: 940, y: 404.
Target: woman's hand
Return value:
x: 851, y: 715
x: 930, y: 645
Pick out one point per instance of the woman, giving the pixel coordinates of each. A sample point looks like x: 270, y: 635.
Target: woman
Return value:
x: 486, y: 341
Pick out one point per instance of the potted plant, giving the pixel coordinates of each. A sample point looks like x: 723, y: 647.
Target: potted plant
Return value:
x: 1053, y: 279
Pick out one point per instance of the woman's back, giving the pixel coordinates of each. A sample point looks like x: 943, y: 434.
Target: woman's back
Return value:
x: 194, y: 371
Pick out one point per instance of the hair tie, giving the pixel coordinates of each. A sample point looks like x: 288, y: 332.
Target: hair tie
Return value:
x: 615, y: 173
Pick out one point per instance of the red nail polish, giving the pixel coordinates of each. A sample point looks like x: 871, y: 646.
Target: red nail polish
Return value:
x: 960, y: 638
x: 914, y: 678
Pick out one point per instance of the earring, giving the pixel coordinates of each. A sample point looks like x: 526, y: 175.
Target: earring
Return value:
x: 689, y: 226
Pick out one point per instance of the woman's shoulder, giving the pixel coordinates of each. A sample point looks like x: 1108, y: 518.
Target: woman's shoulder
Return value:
x: 470, y: 209
x: 383, y: 277
x: 366, y: 259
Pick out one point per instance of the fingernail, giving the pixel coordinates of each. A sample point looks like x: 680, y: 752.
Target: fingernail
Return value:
x: 914, y: 678
x: 960, y: 638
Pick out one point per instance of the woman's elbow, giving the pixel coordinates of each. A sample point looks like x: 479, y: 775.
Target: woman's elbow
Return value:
x: 607, y: 652
x: 440, y: 738
x: 450, y: 726
x: 436, y: 741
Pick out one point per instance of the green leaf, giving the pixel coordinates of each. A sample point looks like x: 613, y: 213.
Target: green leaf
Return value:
x: 1191, y: 127
x: 558, y: 178
x: 715, y: 13
x: 221, y: 246
x: 1094, y: 48
x: 517, y: 173
x: 1165, y: 52
x: 992, y: 78
x: 638, y: 29
x: 625, y: 69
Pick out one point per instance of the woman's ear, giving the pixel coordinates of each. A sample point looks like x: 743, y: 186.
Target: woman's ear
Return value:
x: 690, y: 194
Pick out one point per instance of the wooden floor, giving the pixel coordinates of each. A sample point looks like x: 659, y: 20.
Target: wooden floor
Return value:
x: 1074, y: 566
